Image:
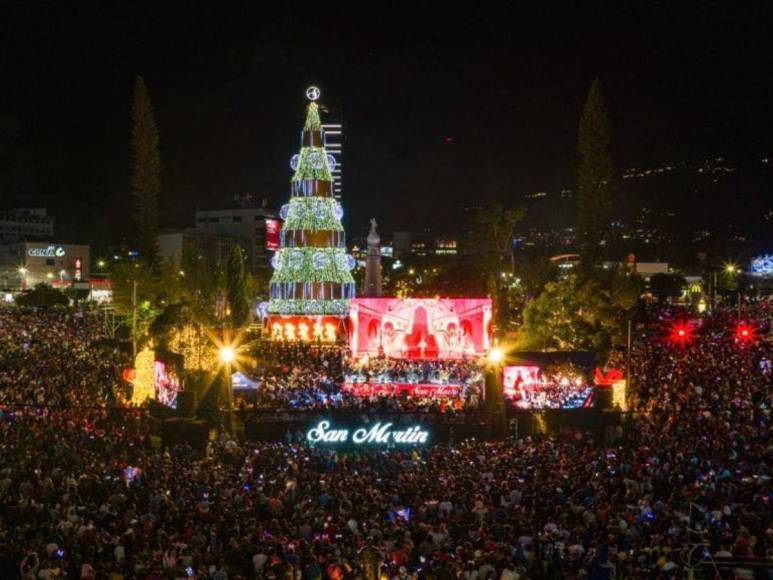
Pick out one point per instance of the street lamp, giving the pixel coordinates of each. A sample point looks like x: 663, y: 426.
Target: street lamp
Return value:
x: 23, y: 274
x: 227, y: 354
x: 496, y: 355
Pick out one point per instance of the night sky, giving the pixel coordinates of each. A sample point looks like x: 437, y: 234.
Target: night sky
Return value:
x: 444, y: 108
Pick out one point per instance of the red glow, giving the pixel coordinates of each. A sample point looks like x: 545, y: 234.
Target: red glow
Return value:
x: 420, y: 328
x: 744, y: 332
x: 681, y: 332
x: 272, y: 234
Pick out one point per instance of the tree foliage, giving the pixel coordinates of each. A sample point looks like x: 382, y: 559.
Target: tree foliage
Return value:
x: 490, y: 247
x: 146, y: 173
x: 596, y: 174
x: 236, y: 289
x: 580, y: 314
x: 42, y: 296
x: 665, y: 286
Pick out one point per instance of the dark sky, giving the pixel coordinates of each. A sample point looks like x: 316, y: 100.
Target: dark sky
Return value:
x: 683, y: 81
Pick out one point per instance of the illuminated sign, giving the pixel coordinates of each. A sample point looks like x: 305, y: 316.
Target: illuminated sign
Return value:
x: 48, y: 252
x: 272, y: 234
x: 377, y: 434
x: 762, y: 265
x: 304, y: 329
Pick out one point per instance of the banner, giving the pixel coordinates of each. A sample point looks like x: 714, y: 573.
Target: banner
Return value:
x: 401, y: 389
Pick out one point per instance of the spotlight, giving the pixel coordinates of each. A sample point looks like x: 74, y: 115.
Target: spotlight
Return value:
x: 496, y: 355
x: 744, y: 332
x: 227, y: 354
x: 681, y: 332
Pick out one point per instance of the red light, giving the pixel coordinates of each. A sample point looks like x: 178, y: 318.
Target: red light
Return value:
x: 744, y: 332
x: 681, y: 332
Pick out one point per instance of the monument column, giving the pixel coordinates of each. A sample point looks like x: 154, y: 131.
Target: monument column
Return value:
x: 373, y: 263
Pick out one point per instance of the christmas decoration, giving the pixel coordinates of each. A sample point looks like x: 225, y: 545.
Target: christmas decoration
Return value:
x: 312, y: 271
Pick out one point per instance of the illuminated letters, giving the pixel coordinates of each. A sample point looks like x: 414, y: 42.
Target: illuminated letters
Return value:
x: 378, y: 434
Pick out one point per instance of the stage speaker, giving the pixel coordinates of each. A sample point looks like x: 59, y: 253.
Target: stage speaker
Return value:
x: 187, y: 402
x: 602, y: 397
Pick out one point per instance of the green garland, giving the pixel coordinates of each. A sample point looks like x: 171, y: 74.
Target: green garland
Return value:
x: 312, y: 118
x: 312, y: 265
x: 312, y: 213
x: 308, y: 158
x: 301, y: 306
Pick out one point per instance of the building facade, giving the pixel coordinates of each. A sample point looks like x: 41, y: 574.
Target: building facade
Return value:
x: 18, y: 225
x: 25, y: 264
x: 334, y: 145
x: 257, y: 227
x: 214, y: 248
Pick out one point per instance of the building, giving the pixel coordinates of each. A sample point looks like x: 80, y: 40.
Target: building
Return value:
x: 257, y: 226
x: 25, y: 264
x: 333, y: 133
x: 424, y: 244
x: 215, y: 248
x: 18, y: 225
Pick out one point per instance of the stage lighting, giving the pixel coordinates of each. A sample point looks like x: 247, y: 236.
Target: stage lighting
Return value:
x: 681, y: 332
x: 496, y: 355
x: 227, y: 354
x: 744, y: 332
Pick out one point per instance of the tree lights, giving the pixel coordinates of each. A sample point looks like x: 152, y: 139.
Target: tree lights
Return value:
x: 312, y: 271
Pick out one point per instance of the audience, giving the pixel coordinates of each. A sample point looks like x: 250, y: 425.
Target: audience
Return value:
x: 87, y: 492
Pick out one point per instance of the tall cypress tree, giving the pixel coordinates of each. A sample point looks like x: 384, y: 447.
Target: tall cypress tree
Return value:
x: 236, y: 288
x: 595, y: 179
x: 146, y: 173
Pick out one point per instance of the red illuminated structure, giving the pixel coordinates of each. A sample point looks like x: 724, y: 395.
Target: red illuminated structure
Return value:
x: 420, y: 328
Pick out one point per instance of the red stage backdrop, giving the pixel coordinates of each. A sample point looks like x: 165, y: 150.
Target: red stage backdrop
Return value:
x: 420, y: 328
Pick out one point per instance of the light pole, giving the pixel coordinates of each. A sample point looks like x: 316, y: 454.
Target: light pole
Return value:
x: 23, y: 273
x: 227, y: 357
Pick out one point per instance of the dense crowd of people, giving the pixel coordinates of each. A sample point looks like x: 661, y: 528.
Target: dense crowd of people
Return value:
x: 56, y: 358
x: 87, y: 491
x: 297, y: 377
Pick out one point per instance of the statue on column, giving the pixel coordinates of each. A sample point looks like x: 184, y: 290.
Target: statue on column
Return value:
x: 373, y: 263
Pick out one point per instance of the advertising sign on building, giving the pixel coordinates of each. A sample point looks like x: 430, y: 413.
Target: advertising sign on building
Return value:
x: 273, y: 226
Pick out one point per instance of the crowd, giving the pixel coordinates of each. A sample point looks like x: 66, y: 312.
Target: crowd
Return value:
x: 56, y: 358
x: 303, y: 377
x: 88, y: 493
x: 561, y: 393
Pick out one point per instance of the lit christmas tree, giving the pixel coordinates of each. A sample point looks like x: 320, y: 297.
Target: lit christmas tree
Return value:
x: 312, y: 271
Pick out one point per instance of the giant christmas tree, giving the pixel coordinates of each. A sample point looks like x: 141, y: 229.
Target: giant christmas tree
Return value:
x: 312, y: 271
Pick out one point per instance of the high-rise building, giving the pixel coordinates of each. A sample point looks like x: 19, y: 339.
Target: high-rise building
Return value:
x: 334, y: 144
x: 17, y: 225
x: 258, y: 225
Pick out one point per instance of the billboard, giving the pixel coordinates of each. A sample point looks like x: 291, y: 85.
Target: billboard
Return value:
x: 166, y: 383
x: 420, y: 328
x: 272, y: 233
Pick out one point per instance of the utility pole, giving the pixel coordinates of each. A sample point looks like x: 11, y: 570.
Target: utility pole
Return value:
x: 628, y: 356
x: 134, y: 318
